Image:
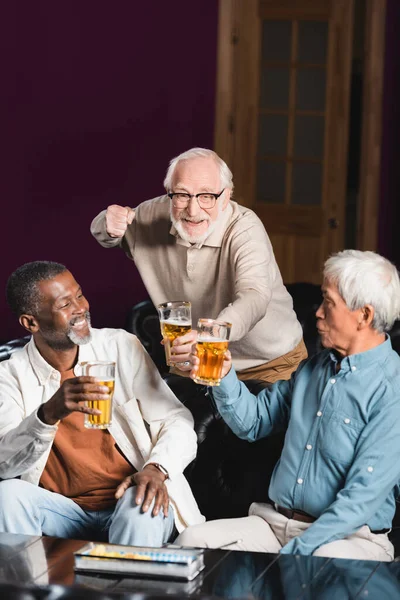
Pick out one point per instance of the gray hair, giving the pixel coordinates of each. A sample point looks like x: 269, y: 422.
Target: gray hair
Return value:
x: 366, y: 278
x: 225, y: 172
x: 22, y: 291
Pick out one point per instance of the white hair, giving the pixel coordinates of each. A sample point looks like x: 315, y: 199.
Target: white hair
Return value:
x: 224, y: 171
x: 366, y: 278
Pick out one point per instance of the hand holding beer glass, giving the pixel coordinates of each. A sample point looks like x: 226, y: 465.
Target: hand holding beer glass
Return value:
x: 212, y: 344
x: 175, y: 321
x: 104, y: 371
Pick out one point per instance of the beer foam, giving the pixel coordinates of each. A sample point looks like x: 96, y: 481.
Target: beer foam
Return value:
x: 176, y: 322
x: 210, y: 340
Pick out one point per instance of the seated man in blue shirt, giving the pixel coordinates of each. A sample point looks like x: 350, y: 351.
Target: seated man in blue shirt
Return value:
x: 334, y: 488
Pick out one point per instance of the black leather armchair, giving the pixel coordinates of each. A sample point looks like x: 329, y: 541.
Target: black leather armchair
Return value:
x: 9, y: 348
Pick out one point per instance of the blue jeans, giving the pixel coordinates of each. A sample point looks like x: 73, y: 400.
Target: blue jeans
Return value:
x: 28, y: 509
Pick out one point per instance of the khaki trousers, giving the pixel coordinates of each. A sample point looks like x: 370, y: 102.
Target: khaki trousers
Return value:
x: 277, y: 369
x: 266, y: 530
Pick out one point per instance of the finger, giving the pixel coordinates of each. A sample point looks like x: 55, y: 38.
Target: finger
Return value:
x: 181, y: 350
x: 194, y: 359
x: 182, y: 366
x: 121, y: 489
x: 81, y: 379
x: 130, y: 215
x: 76, y: 406
x: 115, y: 210
x: 158, y: 502
x: 151, y: 491
x: 165, y: 502
x: 140, y: 492
x: 188, y: 338
x: 193, y: 372
x: 85, y: 391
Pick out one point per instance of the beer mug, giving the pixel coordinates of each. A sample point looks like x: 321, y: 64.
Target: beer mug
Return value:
x: 175, y: 320
x: 104, y: 371
x: 212, y: 343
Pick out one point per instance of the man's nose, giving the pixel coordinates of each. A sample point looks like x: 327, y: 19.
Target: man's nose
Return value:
x: 320, y: 312
x: 193, y: 207
x: 80, y: 307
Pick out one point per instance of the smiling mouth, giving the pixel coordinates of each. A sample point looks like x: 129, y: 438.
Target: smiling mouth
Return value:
x: 79, y: 324
x: 195, y: 223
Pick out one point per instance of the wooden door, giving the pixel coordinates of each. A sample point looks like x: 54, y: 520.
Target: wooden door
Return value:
x: 282, y: 121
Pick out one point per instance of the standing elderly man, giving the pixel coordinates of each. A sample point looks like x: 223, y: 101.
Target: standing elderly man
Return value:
x: 217, y: 255
x: 334, y: 487
x: 125, y: 484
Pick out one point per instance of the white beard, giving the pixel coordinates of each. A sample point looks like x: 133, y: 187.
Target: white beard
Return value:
x: 194, y: 239
x: 77, y: 339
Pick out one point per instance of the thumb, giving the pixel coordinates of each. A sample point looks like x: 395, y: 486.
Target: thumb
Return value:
x: 131, y: 214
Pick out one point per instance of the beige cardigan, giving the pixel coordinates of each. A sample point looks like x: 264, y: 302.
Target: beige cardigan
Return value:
x: 233, y: 275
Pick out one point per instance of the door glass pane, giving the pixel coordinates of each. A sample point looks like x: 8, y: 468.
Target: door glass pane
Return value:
x: 272, y: 135
x: 309, y: 136
x: 271, y: 181
x: 307, y: 183
x: 274, y: 88
x: 313, y: 41
x: 310, y: 89
x: 276, y: 40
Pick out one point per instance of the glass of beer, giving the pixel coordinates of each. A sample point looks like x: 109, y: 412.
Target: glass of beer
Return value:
x: 175, y: 320
x: 104, y: 371
x: 212, y: 343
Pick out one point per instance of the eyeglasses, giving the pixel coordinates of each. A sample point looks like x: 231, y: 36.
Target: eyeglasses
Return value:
x: 181, y: 200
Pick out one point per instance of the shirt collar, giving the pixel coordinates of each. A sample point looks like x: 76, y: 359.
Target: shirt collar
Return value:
x: 363, y: 359
x: 216, y: 237
x: 44, y: 371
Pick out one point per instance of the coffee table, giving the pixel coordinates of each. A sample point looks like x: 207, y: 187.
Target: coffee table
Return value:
x: 41, y: 568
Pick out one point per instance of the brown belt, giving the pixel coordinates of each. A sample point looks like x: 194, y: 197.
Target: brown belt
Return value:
x: 297, y: 515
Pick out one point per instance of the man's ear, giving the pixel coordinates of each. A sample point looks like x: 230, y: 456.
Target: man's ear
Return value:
x: 29, y: 323
x: 367, y: 314
x: 228, y: 194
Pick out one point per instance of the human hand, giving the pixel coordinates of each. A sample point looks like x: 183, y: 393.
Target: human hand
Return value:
x: 71, y: 397
x: 117, y: 220
x: 195, y: 362
x: 181, y: 348
x: 150, y: 485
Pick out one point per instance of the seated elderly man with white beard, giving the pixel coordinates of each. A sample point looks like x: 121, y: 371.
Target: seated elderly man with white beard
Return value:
x: 334, y: 488
x: 195, y: 243
x: 125, y: 483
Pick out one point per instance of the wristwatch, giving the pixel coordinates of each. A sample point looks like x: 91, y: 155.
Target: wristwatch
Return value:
x: 161, y: 468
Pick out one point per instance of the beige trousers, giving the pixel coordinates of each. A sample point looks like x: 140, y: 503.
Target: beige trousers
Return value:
x: 277, y: 369
x: 266, y: 530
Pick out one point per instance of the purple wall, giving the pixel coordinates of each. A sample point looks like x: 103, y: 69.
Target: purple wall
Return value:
x: 97, y: 97
x: 389, y: 215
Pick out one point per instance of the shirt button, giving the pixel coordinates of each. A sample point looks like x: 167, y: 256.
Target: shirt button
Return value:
x: 370, y: 469
x: 332, y: 381
x: 353, y: 368
x: 190, y: 267
x: 309, y: 447
x: 347, y: 421
x: 300, y: 481
x: 319, y: 414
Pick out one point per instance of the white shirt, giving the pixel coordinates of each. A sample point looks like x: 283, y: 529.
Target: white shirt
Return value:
x: 149, y: 423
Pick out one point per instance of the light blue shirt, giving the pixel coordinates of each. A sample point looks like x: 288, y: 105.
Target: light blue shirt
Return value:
x: 341, y: 457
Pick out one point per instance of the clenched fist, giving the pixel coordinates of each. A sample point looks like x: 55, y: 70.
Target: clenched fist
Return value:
x: 117, y: 220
